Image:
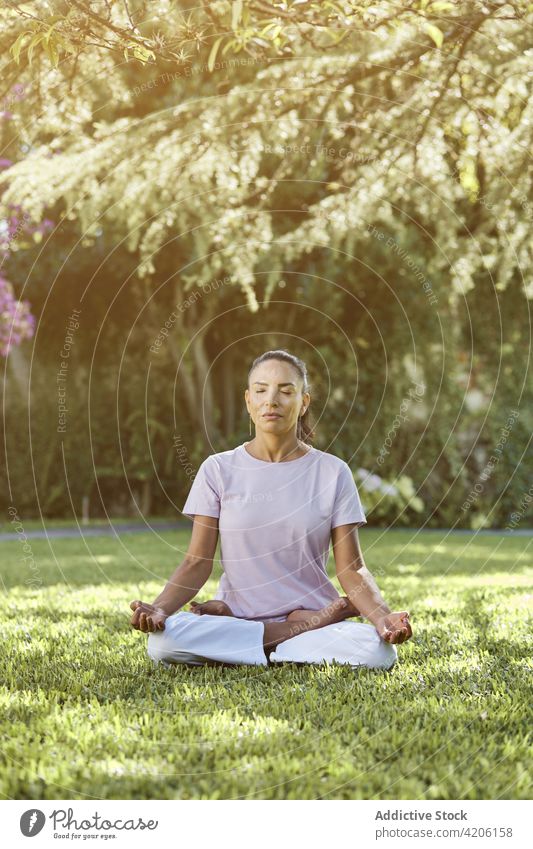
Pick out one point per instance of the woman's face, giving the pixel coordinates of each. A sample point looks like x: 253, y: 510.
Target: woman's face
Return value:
x: 276, y: 387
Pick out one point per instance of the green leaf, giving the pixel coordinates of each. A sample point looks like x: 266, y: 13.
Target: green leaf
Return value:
x: 268, y: 26
x: 49, y: 31
x: 275, y: 32
x: 213, y: 53
x: 228, y: 46
x: 142, y: 53
x: 435, y: 33
x: 236, y: 14
x: 18, y: 45
x: 63, y: 42
x: 50, y: 48
x: 38, y: 37
x: 440, y: 7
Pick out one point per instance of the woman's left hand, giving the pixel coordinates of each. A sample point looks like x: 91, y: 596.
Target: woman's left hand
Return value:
x: 394, y: 627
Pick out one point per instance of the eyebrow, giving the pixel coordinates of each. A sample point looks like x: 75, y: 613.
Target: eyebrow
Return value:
x: 264, y: 383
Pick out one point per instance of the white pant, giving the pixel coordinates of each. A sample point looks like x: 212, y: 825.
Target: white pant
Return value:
x: 201, y: 640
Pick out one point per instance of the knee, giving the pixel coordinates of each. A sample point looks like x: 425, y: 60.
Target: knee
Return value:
x: 156, y: 647
x: 383, y: 655
x: 372, y: 650
x: 161, y: 645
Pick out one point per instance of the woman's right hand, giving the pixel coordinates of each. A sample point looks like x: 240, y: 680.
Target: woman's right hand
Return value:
x: 146, y: 617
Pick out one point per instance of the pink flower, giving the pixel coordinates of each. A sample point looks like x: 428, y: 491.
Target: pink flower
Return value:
x: 16, y: 321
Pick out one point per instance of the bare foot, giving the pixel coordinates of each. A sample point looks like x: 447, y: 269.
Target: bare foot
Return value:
x: 214, y: 607
x: 335, y: 611
x: 305, y: 615
x: 276, y: 632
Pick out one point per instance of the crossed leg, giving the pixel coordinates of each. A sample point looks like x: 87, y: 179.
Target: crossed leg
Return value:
x: 297, y: 622
x: 326, y: 636
x: 215, y: 607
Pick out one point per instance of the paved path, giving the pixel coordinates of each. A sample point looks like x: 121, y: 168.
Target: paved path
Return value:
x: 181, y: 524
x: 96, y: 530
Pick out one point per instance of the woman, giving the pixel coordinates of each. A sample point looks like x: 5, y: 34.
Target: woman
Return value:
x: 277, y: 502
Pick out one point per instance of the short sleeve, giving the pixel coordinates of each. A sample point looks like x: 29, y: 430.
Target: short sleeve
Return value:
x: 204, y: 496
x: 347, y: 508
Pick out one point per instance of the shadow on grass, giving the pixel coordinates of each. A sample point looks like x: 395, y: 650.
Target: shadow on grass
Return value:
x: 455, y: 748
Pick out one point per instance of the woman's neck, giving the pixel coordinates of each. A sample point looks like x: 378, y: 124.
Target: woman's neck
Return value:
x: 272, y: 449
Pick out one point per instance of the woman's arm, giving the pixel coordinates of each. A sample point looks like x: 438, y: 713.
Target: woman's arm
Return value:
x: 185, y: 582
x: 360, y: 587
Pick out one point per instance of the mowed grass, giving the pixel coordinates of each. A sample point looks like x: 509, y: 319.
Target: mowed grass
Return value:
x: 85, y: 714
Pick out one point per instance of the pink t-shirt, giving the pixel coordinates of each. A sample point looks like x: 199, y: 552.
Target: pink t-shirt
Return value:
x: 275, y: 522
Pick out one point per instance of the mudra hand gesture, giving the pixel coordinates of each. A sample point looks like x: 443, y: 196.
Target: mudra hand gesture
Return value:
x: 394, y: 627
x: 146, y: 617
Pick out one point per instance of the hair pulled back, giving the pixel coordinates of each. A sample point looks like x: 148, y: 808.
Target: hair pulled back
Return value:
x: 305, y: 430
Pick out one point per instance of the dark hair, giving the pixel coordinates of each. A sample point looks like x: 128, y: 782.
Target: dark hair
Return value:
x: 307, y: 428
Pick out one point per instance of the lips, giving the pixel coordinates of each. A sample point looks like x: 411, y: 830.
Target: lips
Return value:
x: 271, y: 416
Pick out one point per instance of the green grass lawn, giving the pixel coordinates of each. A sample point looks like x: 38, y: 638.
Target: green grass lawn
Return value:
x: 85, y: 714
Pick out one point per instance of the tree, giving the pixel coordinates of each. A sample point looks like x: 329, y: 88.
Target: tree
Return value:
x: 453, y: 131
x: 243, y: 144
